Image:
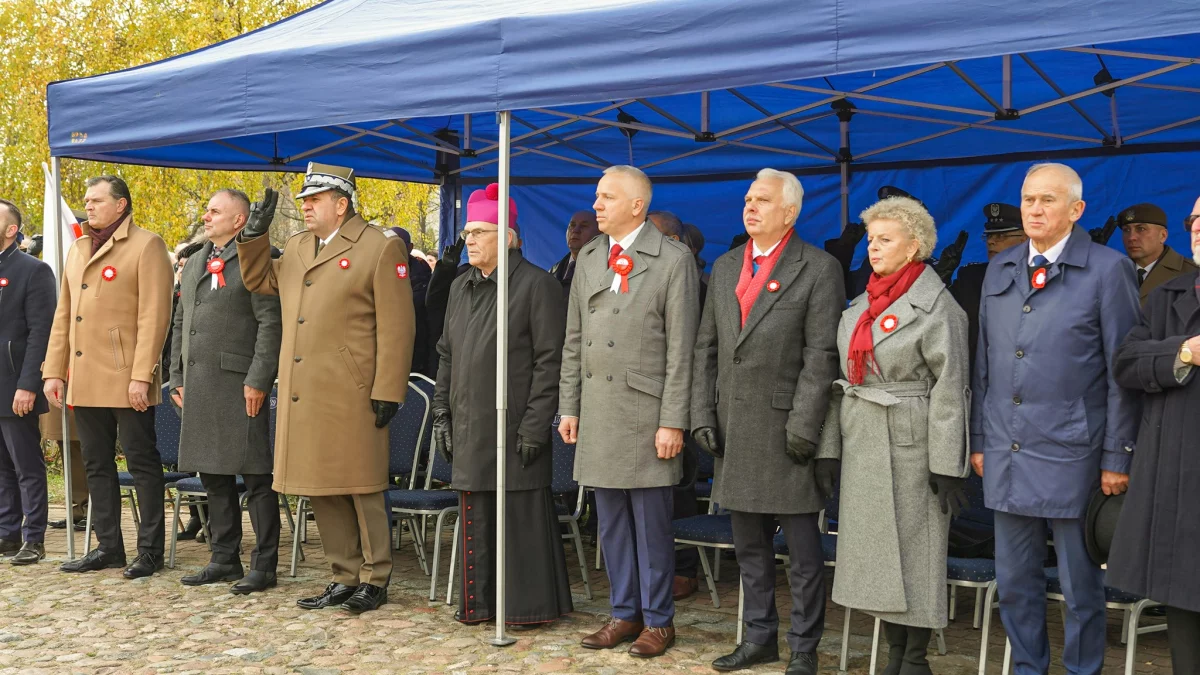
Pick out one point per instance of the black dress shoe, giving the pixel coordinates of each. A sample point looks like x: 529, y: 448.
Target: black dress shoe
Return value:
x: 143, y: 566
x: 802, y: 663
x: 190, y: 531
x: 747, y: 655
x: 213, y: 573
x: 94, y: 561
x: 9, y: 546
x: 335, y: 594
x: 467, y: 622
x: 255, y: 581
x: 80, y: 524
x: 29, y: 554
x: 366, y: 598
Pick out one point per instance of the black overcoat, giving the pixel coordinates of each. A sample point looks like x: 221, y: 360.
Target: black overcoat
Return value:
x: 1156, y: 549
x: 27, y: 302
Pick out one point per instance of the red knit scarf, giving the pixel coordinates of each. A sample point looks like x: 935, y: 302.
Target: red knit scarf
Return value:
x: 104, y: 234
x: 750, y: 284
x: 881, y: 293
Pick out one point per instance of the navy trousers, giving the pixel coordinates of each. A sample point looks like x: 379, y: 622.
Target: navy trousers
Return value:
x: 23, y: 498
x: 1021, y: 581
x: 639, y: 552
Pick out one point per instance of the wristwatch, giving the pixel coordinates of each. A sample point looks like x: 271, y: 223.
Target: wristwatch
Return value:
x: 1185, y: 354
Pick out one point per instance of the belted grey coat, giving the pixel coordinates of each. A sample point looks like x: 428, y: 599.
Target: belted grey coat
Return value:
x: 891, y: 433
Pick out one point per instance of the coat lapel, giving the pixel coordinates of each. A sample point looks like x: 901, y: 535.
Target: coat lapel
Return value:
x: 199, y: 273
x: 922, y: 295
x: 121, y: 233
x: 1186, y: 306
x: 791, y: 261
x: 724, y: 286
x: 348, y: 233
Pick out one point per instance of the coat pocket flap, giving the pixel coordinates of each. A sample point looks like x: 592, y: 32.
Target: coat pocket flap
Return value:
x: 644, y: 383
x: 782, y: 400
x: 235, y: 362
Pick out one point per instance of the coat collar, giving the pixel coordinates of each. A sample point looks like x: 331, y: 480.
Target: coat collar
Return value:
x: 475, y: 277
x: 121, y: 233
x: 1015, y: 260
x: 921, y: 296
x: 648, y: 244
x: 786, y: 270
x: 347, y: 235
x: 1184, y: 288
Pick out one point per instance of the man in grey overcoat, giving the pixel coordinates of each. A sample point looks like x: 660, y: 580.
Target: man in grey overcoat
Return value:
x: 224, y: 358
x: 764, y: 430
x: 623, y: 398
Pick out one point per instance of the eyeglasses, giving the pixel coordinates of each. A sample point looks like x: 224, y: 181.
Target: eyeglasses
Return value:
x: 475, y: 233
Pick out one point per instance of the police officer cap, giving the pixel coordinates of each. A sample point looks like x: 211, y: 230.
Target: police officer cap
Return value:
x: 322, y: 177
x: 1142, y: 213
x: 1001, y: 218
x: 893, y: 191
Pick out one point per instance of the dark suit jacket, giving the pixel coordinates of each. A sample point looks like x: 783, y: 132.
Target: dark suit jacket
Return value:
x: 27, y: 303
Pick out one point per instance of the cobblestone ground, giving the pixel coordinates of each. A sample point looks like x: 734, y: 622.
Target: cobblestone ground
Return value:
x: 52, y: 622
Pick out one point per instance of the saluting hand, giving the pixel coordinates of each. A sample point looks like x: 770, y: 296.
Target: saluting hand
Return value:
x: 668, y: 442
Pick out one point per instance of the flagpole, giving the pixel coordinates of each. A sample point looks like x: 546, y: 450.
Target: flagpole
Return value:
x: 56, y: 168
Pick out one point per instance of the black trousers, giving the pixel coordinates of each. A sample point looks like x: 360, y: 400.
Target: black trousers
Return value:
x: 225, y: 519
x: 23, y: 501
x: 753, y: 535
x: 1183, y: 635
x: 99, y: 429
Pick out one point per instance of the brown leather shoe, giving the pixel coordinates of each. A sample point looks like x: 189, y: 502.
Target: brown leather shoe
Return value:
x: 614, y: 633
x: 653, y: 642
x: 683, y: 587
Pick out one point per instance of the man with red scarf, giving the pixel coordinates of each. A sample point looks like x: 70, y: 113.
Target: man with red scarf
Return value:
x: 764, y: 429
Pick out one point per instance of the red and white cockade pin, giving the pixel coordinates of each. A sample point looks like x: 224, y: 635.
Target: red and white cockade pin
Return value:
x: 401, y: 270
x: 3, y: 282
x: 1039, y: 278
x: 772, y: 285
x: 216, y: 267
x: 623, y: 265
x: 109, y: 273
x: 344, y: 263
x: 889, y: 323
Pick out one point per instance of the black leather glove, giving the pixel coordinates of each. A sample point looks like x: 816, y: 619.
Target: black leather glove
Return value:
x: 843, y: 246
x: 827, y: 472
x: 442, y: 434
x: 951, y: 257
x: 706, y: 439
x: 384, y: 412
x: 261, y: 214
x: 951, y: 493
x: 452, y: 254
x: 800, y: 450
x: 1101, y: 235
x: 530, y: 450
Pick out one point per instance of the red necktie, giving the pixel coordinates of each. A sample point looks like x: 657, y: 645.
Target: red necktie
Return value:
x: 613, y: 255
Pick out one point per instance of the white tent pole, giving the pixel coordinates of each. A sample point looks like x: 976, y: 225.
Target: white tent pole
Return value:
x: 502, y: 375
x: 56, y: 167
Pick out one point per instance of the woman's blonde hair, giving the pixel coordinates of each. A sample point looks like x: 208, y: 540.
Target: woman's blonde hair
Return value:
x: 909, y: 213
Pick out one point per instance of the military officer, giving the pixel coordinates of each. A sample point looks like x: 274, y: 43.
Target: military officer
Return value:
x: 1144, y: 233
x: 1002, y: 230
x: 348, y: 329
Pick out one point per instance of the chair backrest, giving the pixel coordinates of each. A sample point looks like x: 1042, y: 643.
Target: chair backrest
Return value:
x: 405, y: 433
x: 562, y: 476
x: 166, y: 429
x: 438, y: 469
x: 706, y: 466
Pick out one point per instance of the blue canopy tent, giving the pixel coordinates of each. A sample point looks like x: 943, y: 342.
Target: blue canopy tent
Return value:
x: 945, y: 99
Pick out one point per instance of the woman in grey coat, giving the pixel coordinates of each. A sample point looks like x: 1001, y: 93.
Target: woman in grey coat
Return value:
x: 898, y: 421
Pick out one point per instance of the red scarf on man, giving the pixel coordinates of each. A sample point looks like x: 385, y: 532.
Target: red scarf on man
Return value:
x: 99, y: 237
x: 881, y: 293
x: 750, y: 284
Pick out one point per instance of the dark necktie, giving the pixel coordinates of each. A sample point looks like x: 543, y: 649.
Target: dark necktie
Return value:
x: 1040, y: 261
x: 320, y: 245
x: 1141, y: 276
x: 613, y: 255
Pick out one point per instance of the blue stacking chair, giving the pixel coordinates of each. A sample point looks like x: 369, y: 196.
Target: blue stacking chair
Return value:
x: 706, y: 467
x: 710, y: 530
x: 564, y: 485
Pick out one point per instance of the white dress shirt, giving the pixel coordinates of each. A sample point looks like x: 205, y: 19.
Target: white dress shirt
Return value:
x: 1053, y: 254
x: 625, y: 243
x: 325, y: 242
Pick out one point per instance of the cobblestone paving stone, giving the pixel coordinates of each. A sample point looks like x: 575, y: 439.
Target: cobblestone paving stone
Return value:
x: 51, y: 622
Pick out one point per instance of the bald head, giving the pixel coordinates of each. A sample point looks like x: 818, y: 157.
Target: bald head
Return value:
x: 667, y: 223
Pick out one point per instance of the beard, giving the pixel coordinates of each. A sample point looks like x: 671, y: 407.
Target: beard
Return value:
x: 1196, y: 255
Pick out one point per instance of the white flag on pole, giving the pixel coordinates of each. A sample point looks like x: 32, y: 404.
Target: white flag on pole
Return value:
x: 68, y: 228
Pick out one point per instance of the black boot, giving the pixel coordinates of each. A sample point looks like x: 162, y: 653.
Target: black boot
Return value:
x: 915, y: 652
x: 897, y: 637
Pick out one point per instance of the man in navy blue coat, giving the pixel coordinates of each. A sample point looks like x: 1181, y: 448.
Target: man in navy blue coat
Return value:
x: 1049, y: 424
x: 27, y: 301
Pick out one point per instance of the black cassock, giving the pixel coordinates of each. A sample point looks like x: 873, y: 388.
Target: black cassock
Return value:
x: 536, y: 571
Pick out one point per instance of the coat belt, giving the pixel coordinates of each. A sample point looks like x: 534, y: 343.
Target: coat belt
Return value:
x: 885, y: 393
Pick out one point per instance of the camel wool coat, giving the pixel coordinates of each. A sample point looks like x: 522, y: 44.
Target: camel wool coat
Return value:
x: 348, y: 330
x: 891, y: 432
x: 113, y: 316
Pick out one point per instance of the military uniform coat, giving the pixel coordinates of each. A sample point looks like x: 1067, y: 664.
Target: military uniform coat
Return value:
x: 891, y: 433
x: 1156, y: 547
x: 1170, y: 265
x: 221, y: 341
x: 27, y: 298
x: 756, y: 383
x: 347, y: 319
x: 110, y: 330
x: 967, y: 289
x: 627, y: 360
x: 1047, y: 414
x: 466, y: 382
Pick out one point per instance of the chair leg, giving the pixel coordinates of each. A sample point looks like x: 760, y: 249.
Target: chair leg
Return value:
x: 418, y: 544
x: 741, y: 608
x: 1125, y: 626
x: 133, y: 507
x: 577, y: 536
x: 953, y: 601
x: 978, y: 608
x: 174, y: 531
x: 1006, y: 668
x: 301, y: 517
x: 437, y: 552
x: 452, y: 576
x: 845, y: 661
x: 716, y: 568
x: 708, y: 575
x: 287, y: 510
x: 874, y: 646
x: 87, y: 530
x: 202, y: 509
x: 1135, y: 618
x: 597, y: 553
x: 987, y: 625
x: 941, y: 641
